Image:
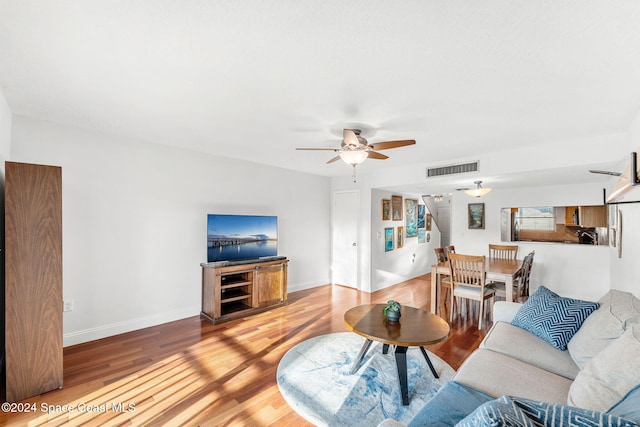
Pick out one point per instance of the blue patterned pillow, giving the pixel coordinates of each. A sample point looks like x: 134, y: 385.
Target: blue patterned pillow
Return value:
x: 553, y: 415
x: 496, y: 413
x: 553, y: 318
x: 517, y: 411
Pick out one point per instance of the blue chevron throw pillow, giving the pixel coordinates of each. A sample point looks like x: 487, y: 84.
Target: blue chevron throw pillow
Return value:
x: 502, y: 412
x: 553, y: 414
x: 553, y: 318
x: 508, y: 411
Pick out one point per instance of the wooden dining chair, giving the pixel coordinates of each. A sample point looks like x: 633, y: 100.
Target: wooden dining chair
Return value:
x: 445, y: 282
x: 526, y: 274
x: 521, y: 284
x: 441, y: 255
x: 468, y: 277
x: 503, y: 251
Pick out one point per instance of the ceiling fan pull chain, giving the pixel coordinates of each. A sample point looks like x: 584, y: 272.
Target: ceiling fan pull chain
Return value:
x: 354, y: 172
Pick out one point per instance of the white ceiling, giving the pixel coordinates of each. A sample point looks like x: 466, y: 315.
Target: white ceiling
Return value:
x: 253, y: 79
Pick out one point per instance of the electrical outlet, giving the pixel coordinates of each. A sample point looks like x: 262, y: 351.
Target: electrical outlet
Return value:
x: 67, y: 305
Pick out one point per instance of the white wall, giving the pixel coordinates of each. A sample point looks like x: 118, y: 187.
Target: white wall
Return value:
x: 5, y: 131
x: 578, y: 271
x: 134, y: 223
x: 400, y: 264
x: 625, y: 270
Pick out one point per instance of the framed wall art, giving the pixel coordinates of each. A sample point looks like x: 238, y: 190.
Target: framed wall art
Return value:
x: 613, y: 225
x: 476, y: 216
x: 422, y: 236
x: 427, y: 225
x: 421, y: 212
x: 400, y: 237
x: 386, y: 209
x: 411, y: 206
x: 396, y: 208
x: 388, y: 239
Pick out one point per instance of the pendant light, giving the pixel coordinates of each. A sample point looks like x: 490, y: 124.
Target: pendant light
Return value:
x: 479, y: 191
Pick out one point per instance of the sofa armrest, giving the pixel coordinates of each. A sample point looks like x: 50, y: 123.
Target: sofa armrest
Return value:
x: 504, y: 311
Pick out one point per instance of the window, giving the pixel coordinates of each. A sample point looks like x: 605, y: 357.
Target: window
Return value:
x: 539, y: 218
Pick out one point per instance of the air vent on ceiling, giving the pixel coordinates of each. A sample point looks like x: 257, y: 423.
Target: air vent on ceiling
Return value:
x: 452, y: 169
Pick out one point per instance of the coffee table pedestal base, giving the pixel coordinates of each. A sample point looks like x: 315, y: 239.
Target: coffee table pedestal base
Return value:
x: 401, y: 365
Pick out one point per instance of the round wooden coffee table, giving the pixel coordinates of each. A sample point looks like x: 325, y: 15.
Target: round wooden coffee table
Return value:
x: 416, y: 328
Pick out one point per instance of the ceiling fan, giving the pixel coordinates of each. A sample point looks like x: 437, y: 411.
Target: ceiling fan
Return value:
x: 355, y: 149
x: 603, y: 172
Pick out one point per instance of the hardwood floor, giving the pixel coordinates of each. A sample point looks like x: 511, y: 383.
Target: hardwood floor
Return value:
x: 193, y: 373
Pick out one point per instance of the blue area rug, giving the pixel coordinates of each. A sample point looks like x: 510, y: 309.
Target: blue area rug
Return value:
x: 314, y: 379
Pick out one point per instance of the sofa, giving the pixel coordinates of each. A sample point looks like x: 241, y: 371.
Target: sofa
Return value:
x: 546, y: 362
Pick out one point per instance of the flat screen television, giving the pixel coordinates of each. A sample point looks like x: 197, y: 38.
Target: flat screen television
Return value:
x: 241, y: 237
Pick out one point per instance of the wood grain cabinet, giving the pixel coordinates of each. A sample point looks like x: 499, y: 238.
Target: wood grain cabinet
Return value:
x: 586, y: 216
x: 593, y: 216
x: 232, y: 291
x: 33, y: 279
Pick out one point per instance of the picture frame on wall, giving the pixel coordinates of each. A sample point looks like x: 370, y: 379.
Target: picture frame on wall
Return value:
x: 422, y: 236
x: 386, y: 209
x: 396, y: 208
x: 400, y: 237
x: 411, y: 207
x: 428, y: 220
x: 613, y: 225
x: 476, y: 216
x: 388, y: 239
x: 421, y: 212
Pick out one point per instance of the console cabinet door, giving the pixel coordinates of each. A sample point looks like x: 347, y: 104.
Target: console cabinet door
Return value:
x: 271, y: 284
x: 33, y: 279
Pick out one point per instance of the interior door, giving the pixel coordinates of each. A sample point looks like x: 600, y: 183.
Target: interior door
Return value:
x: 344, y: 239
x: 444, y: 224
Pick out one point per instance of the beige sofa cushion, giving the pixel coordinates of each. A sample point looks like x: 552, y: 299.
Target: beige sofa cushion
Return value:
x: 498, y: 374
x: 609, y: 375
x: 522, y: 345
x: 618, y: 310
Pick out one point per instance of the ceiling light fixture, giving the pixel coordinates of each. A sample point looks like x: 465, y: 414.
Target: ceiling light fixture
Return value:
x: 438, y: 197
x: 479, y: 191
x: 353, y: 157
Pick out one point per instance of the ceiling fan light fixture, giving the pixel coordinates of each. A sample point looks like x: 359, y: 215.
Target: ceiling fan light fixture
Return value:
x: 353, y: 157
x: 479, y: 191
x: 438, y: 197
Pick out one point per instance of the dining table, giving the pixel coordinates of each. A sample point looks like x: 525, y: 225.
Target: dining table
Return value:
x: 497, y: 270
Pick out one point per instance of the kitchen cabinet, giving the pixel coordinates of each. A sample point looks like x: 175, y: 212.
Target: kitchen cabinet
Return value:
x: 586, y: 216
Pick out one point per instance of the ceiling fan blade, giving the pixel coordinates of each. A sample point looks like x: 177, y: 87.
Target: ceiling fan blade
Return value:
x: 378, y: 156
x: 605, y: 172
x: 392, y: 144
x: 336, y: 158
x: 350, y: 137
x: 319, y: 149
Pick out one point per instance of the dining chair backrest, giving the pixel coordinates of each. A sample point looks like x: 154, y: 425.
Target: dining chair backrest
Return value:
x: 468, y: 270
x: 503, y: 251
x: 527, y: 263
x: 441, y: 256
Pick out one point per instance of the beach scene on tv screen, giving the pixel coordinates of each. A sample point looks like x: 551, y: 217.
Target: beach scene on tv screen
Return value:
x: 239, y: 237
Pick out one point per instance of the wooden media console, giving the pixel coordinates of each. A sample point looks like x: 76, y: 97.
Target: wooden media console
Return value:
x: 231, y: 290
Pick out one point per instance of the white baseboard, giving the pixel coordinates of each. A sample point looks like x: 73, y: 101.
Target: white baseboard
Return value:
x: 78, y: 337
x: 304, y: 286
x: 104, y: 331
